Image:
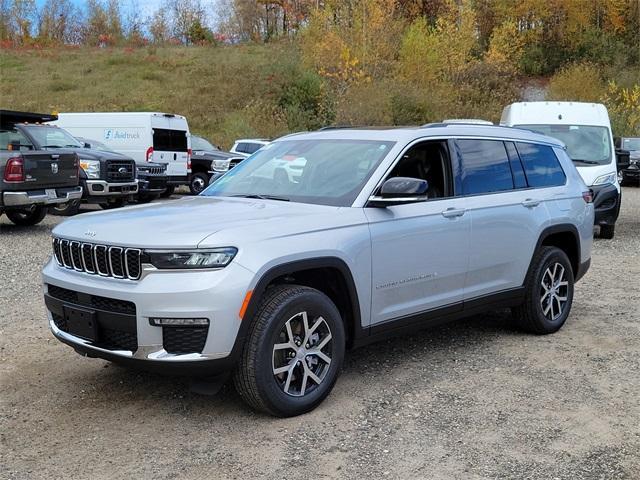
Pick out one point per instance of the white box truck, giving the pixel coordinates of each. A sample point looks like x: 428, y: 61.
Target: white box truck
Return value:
x: 585, y: 129
x: 143, y: 136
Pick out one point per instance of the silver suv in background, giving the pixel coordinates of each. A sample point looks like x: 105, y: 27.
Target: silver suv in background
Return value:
x: 248, y: 146
x: 382, y: 231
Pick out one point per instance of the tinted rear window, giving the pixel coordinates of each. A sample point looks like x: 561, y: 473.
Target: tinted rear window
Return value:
x: 485, y: 166
x: 246, y: 147
x: 165, y: 140
x: 541, y: 165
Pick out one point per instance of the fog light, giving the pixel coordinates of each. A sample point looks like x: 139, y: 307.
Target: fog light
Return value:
x: 179, y: 322
x: 98, y: 188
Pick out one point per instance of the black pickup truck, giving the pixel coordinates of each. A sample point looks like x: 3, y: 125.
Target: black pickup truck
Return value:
x: 33, y: 175
x: 208, y: 161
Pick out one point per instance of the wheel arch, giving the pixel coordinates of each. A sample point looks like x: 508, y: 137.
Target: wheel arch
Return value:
x: 566, y: 238
x: 330, y: 275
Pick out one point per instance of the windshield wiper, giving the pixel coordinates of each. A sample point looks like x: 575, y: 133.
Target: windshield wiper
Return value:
x: 262, y: 197
x: 586, y: 162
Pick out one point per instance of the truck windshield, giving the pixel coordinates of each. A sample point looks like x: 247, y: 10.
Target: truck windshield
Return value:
x: 52, y: 137
x: 323, y: 172
x: 631, y: 144
x: 587, y: 145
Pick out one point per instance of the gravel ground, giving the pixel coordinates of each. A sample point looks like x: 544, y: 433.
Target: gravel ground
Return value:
x: 471, y: 400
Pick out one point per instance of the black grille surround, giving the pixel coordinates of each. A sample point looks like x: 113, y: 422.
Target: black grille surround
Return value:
x: 119, y: 171
x: 181, y: 340
x: 103, y: 260
x: 116, y: 319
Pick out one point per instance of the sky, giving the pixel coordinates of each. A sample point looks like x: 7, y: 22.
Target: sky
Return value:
x: 146, y: 7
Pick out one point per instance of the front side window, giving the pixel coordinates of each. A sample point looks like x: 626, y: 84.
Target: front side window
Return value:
x: 324, y: 172
x: 52, y: 137
x: 541, y: 166
x: 484, y: 166
x: 586, y: 145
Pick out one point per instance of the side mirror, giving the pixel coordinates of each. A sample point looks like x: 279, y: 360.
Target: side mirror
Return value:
x: 87, y: 145
x: 400, y: 190
x: 622, y: 158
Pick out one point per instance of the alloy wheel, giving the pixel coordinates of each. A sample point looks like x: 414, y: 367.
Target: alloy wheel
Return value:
x: 303, y: 355
x: 554, y: 292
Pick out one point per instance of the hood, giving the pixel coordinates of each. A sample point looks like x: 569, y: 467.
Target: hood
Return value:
x: 186, y: 223
x: 213, y: 155
x: 92, y: 154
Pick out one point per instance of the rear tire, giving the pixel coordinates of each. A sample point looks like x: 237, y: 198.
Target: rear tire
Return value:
x: 168, y: 192
x: 549, y: 293
x: 65, y: 209
x: 607, y: 231
x: 198, y: 182
x: 293, y: 354
x: 27, y: 218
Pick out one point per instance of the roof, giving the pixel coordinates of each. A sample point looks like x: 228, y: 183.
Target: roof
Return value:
x: 120, y: 114
x: 434, y: 130
x: 10, y: 117
x: 556, y: 113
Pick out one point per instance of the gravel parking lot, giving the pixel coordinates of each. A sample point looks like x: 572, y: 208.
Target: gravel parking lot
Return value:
x: 475, y: 399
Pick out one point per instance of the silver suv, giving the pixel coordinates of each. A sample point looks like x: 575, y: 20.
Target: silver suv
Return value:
x: 321, y: 242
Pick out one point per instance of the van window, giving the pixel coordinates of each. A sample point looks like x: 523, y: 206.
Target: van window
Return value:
x: 165, y: 140
x: 541, y: 165
x: 586, y: 144
x: 485, y: 166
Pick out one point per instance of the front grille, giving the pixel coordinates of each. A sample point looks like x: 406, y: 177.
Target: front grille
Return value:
x: 234, y: 161
x: 107, y: 261
x: 180, y: 340
x: 120, y: 171
x: 118, y: 340
x: 93, y: 301
x: 152, y: 170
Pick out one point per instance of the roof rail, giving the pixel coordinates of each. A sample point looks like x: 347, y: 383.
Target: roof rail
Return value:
x: 467, y: 121
x: 337, y: 127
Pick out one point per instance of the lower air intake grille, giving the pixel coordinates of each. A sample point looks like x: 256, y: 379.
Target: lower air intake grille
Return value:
x: 181, y: 340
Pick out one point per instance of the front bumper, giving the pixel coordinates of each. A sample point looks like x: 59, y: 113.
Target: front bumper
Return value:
x: 606, y: 202
x: 101, y: 188
x: 41, y: 197
x: 151, y: 184
x: 216, y: 295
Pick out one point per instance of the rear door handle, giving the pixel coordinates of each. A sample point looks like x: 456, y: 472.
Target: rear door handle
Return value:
x: 453, y: 212
x: 530, y: 203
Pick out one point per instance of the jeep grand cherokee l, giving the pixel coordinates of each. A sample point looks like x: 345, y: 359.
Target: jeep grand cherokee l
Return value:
x: 383, y: 231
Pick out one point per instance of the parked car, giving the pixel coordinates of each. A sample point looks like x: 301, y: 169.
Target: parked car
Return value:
x: 34, y: 175
x: 630, y: 173
x: 207, y: 160
x: 386, y: 231
x: 152, y: 177
x: 248, y: 146
x: 143, y: 136
x: 585, y: 129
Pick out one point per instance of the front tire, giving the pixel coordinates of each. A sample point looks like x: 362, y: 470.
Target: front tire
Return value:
x: 199, y: 181
x: 293, y: 353
x: 27, y: 218
x: 65, y: 209
x: 607, y: 231
x: 549, y: 293
x: 114, y: 203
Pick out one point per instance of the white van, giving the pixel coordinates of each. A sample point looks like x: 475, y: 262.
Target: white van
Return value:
x: 585, y: 129
x: 143, y: 136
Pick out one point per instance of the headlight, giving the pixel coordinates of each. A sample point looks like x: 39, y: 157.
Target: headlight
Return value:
x: 604, y: 179
x: 214, y: 258
x: 221, y: 164
x: 91, y: 168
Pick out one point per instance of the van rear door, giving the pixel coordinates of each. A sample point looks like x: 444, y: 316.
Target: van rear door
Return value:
x: 171, y: 145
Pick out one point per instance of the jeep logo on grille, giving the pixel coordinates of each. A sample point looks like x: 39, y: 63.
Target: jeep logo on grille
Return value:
x: 54, y: 168
x: 122, y: 170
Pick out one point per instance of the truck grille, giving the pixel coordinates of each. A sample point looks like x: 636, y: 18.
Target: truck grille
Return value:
x: 103, y: 260
x: 120, y: 171
x: 234, y: 161
x: 152, y: 170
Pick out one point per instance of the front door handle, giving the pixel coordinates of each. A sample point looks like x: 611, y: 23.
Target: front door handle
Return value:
x: 530, y: 203
x: 453, y: 212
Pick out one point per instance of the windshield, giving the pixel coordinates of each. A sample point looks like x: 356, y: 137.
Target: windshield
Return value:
x: 631, y: 144
x: 199, y: 143
x: 324, y: 172
x: 52, y: 137
x: 585, y: 144
x: 95, y: 145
